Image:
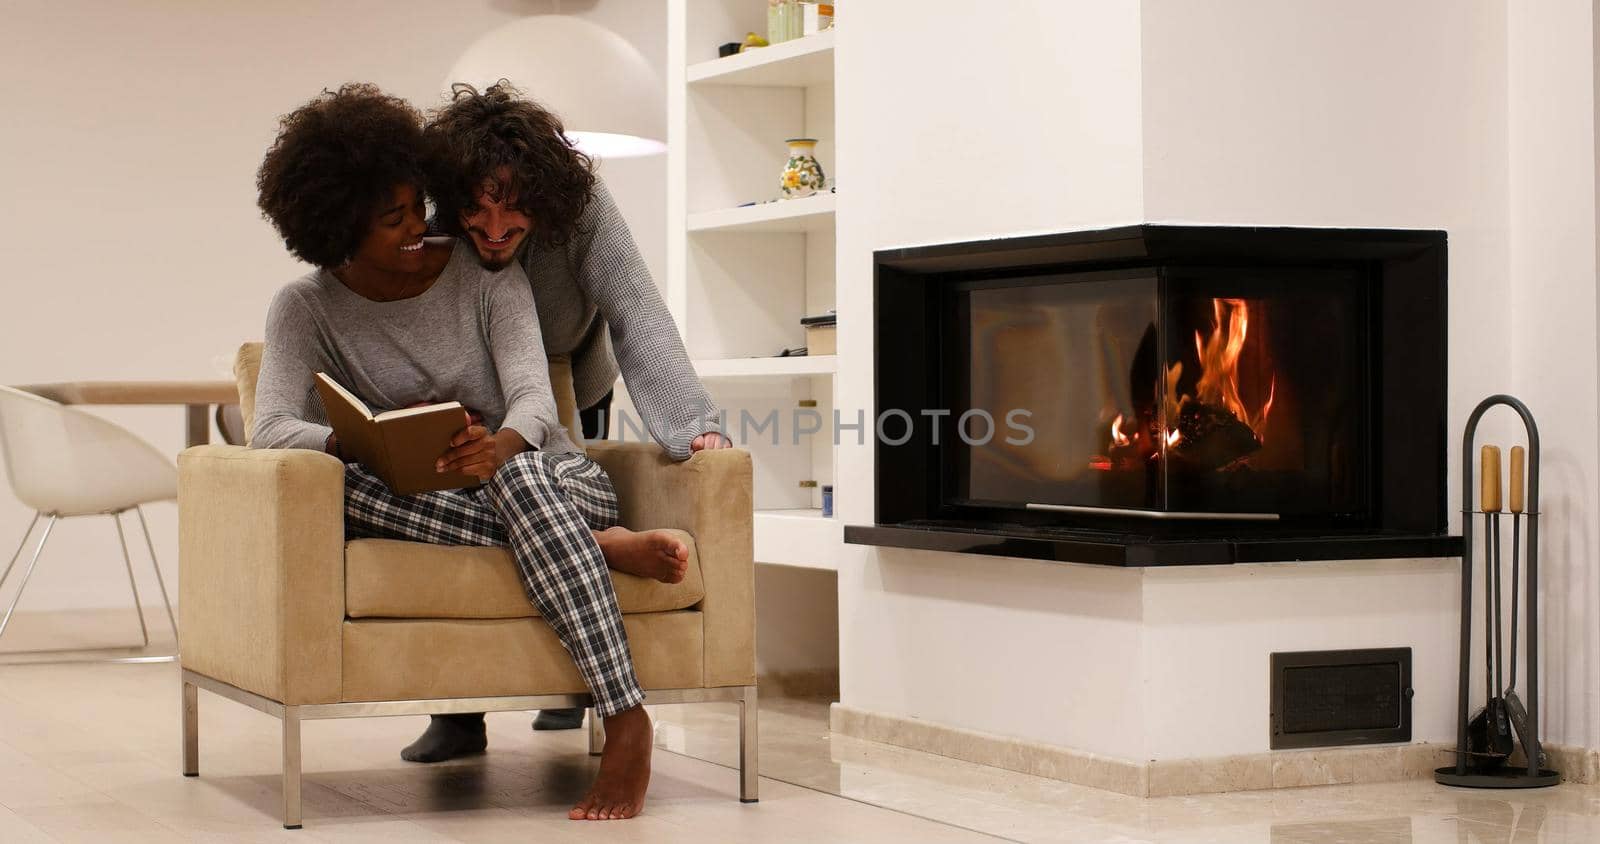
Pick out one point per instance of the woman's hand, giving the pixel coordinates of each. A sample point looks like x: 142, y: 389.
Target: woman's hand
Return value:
x: 473, y: 451
x: 710, y: 439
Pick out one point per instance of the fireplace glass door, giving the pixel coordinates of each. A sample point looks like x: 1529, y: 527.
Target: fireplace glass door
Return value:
x: 1180, y: 390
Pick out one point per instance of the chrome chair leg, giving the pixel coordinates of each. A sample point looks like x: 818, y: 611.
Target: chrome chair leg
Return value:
x: 28, y: 573
x: 160, y: 581
x: 597, y: 733
x: 138, y: 606
x: 191, y: 730
x: 749, y: 747
x: 291, y: 768
x: 20, y: 545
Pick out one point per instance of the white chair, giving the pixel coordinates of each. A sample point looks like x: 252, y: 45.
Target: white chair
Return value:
x: 63, y: 462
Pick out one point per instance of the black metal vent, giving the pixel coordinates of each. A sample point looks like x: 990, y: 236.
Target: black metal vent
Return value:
x: 1335, y: 698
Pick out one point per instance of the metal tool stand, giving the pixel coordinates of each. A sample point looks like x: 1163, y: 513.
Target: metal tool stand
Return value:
x: 1478, y: 769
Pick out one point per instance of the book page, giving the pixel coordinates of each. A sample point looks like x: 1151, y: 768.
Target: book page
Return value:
x: 348, y: 396
x: 413, y: 411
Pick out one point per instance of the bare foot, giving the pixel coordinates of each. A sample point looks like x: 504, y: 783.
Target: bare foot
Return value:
x: 655, y: 554
x: 618, y: 790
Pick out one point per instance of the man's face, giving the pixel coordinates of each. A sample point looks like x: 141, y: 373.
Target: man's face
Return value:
x: 495, y: 226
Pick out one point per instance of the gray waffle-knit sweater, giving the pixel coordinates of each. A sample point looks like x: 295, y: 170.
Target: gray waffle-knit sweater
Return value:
x: 471, y: 337
x: 598, y: 304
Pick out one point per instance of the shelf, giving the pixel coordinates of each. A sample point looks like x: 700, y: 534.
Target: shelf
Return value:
x: 813, y: 213
x: 799, y: 63
x: 797, y: 366
x: 800, y: 538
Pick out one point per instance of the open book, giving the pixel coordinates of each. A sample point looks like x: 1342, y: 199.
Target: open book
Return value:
x: 399, y: 446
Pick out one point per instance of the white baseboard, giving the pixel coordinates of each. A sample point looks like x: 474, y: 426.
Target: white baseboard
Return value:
x: 1165, y: 778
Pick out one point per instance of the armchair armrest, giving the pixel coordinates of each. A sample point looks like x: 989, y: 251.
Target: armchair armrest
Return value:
x: 709, y: 496
x: 261, y: 570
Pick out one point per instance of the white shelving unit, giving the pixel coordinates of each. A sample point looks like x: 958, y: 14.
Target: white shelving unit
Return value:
x: 800, y: 63
x: 742, y: 269
x: 802, y: 538
x: 811, y: 214
x: 790, y: 367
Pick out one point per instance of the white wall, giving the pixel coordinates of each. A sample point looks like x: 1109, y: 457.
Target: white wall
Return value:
x: 1553, y: 342
x: 798, y: 637
x: 958, y: 122
x: 128, y: 230
x: 1209, y: 632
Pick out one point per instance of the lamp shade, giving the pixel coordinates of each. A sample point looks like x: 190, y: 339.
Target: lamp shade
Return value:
x: 609, y: 98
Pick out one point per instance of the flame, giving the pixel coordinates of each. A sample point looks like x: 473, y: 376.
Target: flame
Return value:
x: 1173, y: 436
x: 1117, y: 437
x: 1219, y: 364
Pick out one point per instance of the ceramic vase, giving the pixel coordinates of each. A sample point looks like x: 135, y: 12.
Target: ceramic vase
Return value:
x: 802, y: 175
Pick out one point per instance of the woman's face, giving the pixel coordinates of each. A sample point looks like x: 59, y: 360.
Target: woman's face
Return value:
x: 394, y: 237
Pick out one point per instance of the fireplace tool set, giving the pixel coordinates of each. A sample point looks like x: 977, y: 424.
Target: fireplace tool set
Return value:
x: 1486, y: 740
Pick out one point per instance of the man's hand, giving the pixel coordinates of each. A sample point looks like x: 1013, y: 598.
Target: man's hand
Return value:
x: 473, y: 451
x: 710, y: 439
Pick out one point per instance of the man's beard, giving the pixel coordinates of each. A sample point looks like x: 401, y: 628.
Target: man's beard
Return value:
x: 497, y: 264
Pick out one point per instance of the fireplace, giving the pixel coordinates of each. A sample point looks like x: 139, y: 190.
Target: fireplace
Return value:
x: 1160, y: 395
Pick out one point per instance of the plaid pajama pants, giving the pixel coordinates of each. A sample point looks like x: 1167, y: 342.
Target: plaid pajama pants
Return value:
x: 543, y: 506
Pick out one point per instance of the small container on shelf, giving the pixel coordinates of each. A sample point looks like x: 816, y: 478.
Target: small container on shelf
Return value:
x: 827, y: 500
x: 785, y: 20
x: 817, y: 17
x: 822, y: 333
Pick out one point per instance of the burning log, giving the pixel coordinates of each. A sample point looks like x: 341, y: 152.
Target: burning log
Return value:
x: 1210, y: 437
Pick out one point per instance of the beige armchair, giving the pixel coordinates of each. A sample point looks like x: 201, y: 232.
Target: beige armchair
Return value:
x: 280, y: 613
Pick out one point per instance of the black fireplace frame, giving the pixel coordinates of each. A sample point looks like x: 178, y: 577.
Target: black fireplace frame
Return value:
x: 1407, y: 325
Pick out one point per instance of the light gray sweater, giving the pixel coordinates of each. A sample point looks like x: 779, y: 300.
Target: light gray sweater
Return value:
x: 598, y: 304
x: 472, y: 337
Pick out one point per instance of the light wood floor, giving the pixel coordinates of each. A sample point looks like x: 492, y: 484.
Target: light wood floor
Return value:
x: 90, y: 753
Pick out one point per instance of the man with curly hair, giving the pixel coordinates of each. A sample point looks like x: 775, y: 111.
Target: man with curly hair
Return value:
x: 401, y: 319
x: 505, y: 178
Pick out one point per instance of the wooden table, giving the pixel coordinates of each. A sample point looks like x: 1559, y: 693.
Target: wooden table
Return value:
x: 197, y: 397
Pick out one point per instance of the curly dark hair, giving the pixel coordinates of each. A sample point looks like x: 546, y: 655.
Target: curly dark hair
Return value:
x: 477, y: 134
x: 335, y: 159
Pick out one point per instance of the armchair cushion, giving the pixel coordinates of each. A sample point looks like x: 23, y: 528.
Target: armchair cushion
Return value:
x: 429, y: 659
x: 386, y: 578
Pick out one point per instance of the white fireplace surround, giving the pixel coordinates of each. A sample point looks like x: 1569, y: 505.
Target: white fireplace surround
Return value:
x: 1477, y: 118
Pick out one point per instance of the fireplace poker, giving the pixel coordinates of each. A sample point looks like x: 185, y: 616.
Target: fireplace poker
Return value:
x: 1498, y: 723
x: 1514, y: 708
x: 1481, y: 727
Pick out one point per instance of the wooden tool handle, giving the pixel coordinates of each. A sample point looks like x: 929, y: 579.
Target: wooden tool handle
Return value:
x: 1519, y: 456
x: 1489, y: 476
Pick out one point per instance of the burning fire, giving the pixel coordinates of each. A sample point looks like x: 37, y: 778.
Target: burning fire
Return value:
x: 1117, y: 437
x: 1213, y: 424
x: 1219, y: 364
